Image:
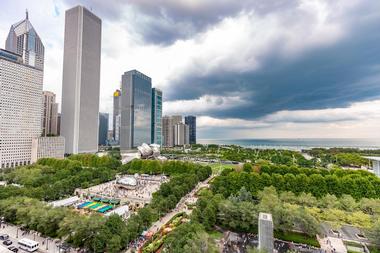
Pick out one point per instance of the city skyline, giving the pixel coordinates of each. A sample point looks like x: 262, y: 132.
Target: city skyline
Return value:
x: 266, y: 90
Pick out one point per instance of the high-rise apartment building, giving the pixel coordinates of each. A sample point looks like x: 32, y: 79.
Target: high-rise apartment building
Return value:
x: 49, y: 114
x: 103, y: 128
x: 156, y: 116
x: 191, y: 121
x: 81, y: 81
x: 168, y: 123
x: 20, y: 109
x: 181, y: 134
x: 266, y: 232
x: 116, y: 113
x: 136, y: 109
x: 23, y: 40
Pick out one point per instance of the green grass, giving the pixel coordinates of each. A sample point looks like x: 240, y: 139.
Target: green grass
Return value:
x: 297, y: 238
x: 218, y: 167
x: 374, y: 249
x: 216, y: 235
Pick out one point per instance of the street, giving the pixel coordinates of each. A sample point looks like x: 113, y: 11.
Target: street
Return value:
x: 45, y: 245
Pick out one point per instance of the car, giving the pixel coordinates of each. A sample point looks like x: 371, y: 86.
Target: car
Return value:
x: 7, y: 242
x: 4, y: 237
x: 13, y: 248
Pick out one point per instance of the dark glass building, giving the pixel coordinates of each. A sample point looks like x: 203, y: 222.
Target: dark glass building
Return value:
x: 136, y: 110
x: 191, y: 121
x: 156, y: 134
x: 103, y: 128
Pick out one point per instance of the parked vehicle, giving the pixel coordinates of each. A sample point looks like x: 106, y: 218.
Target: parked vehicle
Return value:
x: 13, y: 248
x: 7, y: 242
x: 28, y: 245
x: 4, y: 237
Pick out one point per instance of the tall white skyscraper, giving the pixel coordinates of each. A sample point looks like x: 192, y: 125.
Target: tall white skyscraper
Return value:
x: 81, y: 81
x: 21, y: 79
x: 20, y: 109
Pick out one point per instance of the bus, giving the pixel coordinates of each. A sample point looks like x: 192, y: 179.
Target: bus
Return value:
x: 28, y: 245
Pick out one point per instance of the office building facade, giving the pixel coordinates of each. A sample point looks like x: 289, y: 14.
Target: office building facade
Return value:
x: 103, y: 128
x: 23, y: 40
x: 168, y: 123
x: 136, y: 110
x: 181, y: 134
x: 191, y: 121
x: 116, y: 113
x: 48, y: 147
x: 20, y: 110
x: 49, y: 114
x: 81, y: 81
x: 156, y: 116
x: 266, y: 241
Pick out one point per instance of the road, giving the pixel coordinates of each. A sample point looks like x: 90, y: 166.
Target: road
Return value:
x: 47, y: 245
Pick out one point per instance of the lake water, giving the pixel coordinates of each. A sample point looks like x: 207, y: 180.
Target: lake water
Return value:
x: 298, y: 144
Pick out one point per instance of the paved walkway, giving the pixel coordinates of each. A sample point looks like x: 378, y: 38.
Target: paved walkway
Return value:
x: 181, y: 206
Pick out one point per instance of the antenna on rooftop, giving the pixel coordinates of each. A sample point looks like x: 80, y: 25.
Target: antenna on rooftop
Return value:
x: 26, y: 14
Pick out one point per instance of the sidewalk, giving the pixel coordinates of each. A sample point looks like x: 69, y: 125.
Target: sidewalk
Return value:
x: 47, y: 245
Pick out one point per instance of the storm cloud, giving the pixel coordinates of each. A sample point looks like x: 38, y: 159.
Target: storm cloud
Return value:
x: 273, y: 66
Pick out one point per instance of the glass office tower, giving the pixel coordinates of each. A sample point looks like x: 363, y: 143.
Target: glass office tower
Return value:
x: 156, y: 136
x: 136, y: 110
x: 191, y: 121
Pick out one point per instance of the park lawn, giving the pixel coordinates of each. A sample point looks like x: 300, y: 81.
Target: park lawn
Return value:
x: 216, y: 235
x: 218, y: 167
x: 297, y: 238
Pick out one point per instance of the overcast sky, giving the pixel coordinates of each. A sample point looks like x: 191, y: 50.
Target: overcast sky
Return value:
x: 247, y: 68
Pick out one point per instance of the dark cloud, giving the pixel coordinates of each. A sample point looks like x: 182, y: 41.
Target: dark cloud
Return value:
x: 166, y: 21
x: 110, y: 10
x: 321, y: 78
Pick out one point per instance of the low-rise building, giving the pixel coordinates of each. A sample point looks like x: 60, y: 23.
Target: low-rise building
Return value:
x: 48, y: 147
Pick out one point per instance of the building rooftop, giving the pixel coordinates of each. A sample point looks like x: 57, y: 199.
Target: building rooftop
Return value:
x: 265, y: 216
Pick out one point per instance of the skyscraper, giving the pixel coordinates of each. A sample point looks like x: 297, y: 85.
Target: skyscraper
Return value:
x: 191, y: 121
x: 156, y: 116
x: 168, y: 123
x: 23, y: 40
x: 116, y: 113
x: 81, y: 81
x: 266, y: 232
x: 20, y: 109
x: 103, y: 128
x: 136, y: 108
x: 49, y: 114
x: 181, y: 134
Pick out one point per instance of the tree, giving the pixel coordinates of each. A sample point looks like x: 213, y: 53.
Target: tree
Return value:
x: 200, y: 242
x: 374, y: 233
x: 247, y: 167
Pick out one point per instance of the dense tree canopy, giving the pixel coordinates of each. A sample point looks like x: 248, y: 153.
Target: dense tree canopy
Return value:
x: 318, y: 182
x: 52, y: 179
